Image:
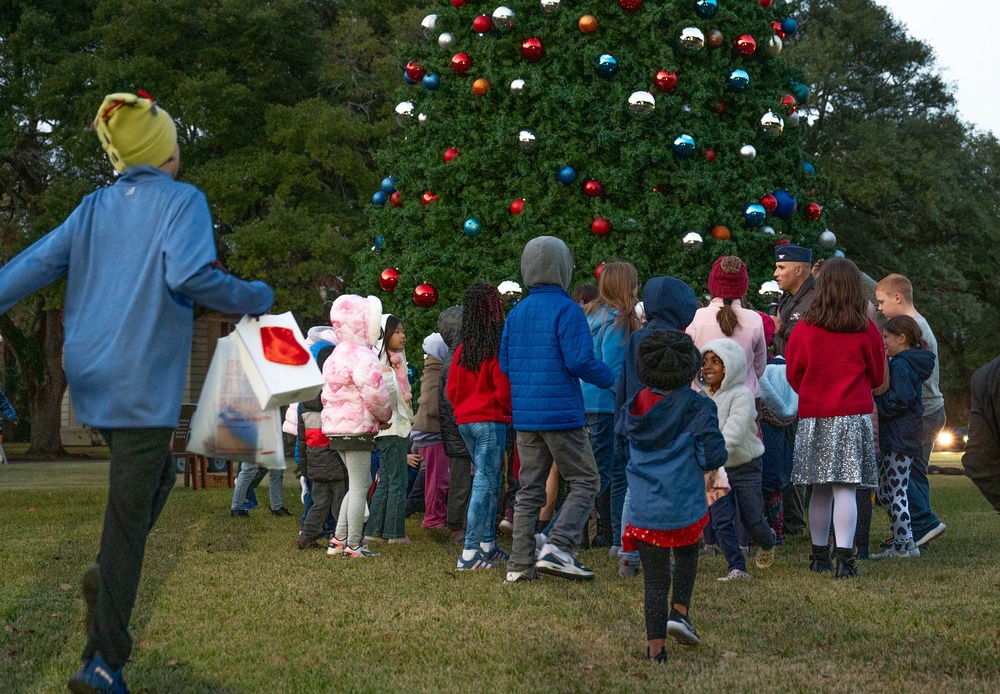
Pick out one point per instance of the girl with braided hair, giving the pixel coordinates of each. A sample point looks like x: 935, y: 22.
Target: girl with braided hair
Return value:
x: 480, y: 394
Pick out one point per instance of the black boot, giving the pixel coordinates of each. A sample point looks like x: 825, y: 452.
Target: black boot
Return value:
x: 847, y: 565
x: 819, y: 560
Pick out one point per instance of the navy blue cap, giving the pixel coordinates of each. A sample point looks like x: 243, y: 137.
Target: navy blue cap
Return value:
x: 790, y: 253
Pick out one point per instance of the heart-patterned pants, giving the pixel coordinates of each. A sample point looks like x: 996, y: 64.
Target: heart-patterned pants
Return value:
x: 893, y: 477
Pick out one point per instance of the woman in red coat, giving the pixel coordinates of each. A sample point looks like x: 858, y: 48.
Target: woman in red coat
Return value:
x: 835, y: 358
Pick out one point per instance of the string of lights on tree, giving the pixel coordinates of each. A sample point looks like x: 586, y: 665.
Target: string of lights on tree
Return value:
x: 459, y: 80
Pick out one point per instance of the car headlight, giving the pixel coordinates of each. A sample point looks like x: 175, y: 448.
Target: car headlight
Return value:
x: 945, y: 439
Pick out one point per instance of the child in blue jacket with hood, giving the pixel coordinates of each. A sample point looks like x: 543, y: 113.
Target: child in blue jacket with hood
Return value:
x: 669, y: 304
x: 900, y: 427
x: 675, y: 449
x: 546, y: 349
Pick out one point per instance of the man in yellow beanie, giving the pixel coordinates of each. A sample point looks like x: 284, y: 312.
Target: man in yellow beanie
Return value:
x: 137, y: 256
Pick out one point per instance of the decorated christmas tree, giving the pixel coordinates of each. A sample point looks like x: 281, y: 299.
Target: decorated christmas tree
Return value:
x: 663, y: 132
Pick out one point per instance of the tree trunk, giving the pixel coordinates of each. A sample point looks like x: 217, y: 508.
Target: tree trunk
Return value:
x: 46, y: 397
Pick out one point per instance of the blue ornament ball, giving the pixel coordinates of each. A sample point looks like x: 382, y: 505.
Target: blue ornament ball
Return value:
x: 706, y: 9
x: 472, y: 227
x: 388, y: 185
x: 838, y: 253
x: 411, y: 374
x: 800, y: 92
x: 789, y: 26
x: 378, y: 199
x: 738, y: 80
x: 809, y: 169
x: 786, y: 204
x: 566, y: 175
x: 754, y: 215
x: 683, y: 146
x: 431, y: 81
x: 406, y: 78
x: 607, y: 66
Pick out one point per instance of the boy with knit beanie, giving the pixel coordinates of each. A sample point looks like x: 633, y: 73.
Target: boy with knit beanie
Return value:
x: 137, y: 256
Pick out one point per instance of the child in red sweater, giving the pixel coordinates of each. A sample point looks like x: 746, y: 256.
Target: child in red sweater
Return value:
x: 480, y: 394
x: 835, y: 358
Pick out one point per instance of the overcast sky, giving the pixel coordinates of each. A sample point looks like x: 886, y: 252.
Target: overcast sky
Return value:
x: 965, y: 37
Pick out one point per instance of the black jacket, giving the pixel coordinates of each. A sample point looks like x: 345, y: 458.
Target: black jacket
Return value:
x: 982, y: 453
x: 450, y: 326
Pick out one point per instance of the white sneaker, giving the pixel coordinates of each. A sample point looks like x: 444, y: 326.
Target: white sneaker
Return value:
x: 735, y: 575
x: 615, y: 551
x: 540, y: 540
x: 558, y: 562
x: 931, y: 534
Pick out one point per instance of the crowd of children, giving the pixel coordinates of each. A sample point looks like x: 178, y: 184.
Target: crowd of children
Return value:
x: 665, y: 421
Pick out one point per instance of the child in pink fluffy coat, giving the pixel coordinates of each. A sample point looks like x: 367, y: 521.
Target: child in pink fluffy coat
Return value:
x: 356, y: 406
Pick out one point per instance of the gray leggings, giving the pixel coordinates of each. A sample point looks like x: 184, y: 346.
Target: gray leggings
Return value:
x: 351, y: 520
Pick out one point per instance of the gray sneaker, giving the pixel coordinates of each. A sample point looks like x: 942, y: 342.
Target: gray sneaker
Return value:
x: 735, y: 575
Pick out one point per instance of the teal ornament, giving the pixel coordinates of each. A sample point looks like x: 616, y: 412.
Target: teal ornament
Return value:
x: 754, y: 214
x: 809, y: 169
x: 472, y: 227
x: 566, y: 175
x: 738, y: 80
x: 431, y: 81
x: 683, y: 146
x: 411, y: 374
x: 800, y: 92
x: 607, y: 66
x: 706, y: 9
x: 378, y: 199
x: 388, y: 185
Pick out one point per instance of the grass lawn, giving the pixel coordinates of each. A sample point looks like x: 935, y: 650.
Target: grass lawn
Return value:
x: 229, y: 605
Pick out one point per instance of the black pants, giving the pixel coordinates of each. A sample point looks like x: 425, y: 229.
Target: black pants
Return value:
x: 794, y: 497
x: 142, y: 475
x: 656, y: 575
x: 459, y: 490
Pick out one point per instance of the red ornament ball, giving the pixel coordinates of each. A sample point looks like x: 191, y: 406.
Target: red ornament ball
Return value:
x: 396, y: 199
x: 415, y: 71
x: 425, y: 295
x: 777, y: 30
x: 458, y: 3
x: 789, y: 102
x: 630, y: 5
x: 721, y: 233
x: 709, y: 155
x: 597, y: 271
x: 813, y: 211
x: 718, y: 108
x: 427, y: 198
x: 665, y: 82
x: 482, y: 24
x: 714, y: 38
x: 601, y: 227
x: 532, y: 50
x: 388, y: 279
x: 461, y: 63
x: 769, y: 203
x: 745, y: 45
x: 517, y: 207
x: 592, y: 188
x: 766, y: 4
x: 450, y: 154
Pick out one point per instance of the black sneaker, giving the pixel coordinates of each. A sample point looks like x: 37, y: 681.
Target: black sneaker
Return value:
x: 280, y: 511
x: 660, y: 658
x: 239, y: 513
x: 679, y: 626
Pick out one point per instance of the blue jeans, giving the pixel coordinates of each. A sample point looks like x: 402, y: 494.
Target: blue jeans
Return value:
x: 747, y: 500
x: 387, y: 508
x: 486, y: 442
x: 922, y: 518
x: 243, y: 480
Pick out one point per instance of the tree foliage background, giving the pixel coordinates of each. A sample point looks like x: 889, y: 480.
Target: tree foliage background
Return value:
x: 283, y: 104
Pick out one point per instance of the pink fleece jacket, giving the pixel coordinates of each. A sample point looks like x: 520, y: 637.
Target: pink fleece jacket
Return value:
x: 355, y: 397
x: 749, y: 335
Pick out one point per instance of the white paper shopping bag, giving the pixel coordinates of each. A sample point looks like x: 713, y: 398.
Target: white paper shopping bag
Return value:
x: 278, y: 364
x: 228, y: 422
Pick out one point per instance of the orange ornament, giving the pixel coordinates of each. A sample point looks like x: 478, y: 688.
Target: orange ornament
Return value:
x: 588, y: 24
x: 480, y: 87
x: 721, y: 233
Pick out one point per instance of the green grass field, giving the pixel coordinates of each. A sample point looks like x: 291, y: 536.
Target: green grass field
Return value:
x: 229, y: 605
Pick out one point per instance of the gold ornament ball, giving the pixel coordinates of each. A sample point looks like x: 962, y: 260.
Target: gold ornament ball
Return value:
x: 588, y: 24
x: 480, y: 87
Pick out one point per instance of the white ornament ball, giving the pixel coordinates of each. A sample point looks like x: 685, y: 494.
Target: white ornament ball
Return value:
x: 828, y: 239
x: 446, y: 40
x: 748, y: 152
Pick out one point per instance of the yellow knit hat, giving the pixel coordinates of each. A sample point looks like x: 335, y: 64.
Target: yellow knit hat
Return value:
x: 134, y: 130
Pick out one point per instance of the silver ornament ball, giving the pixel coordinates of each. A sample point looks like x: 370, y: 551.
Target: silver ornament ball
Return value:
x: 422, y: 119
x: 772, y: 124
x: 828, y: 239
x: 748, y: 152
x: 503, y: 18
x: 774, y: 46
x: 794, y: 119
x: 526, y: 140
x: 517, y: 87
x: 692, y: 241
x: 550, y: 6
x: 428, y: 25
x: 767, y: 230
x: 692, y: 39
x: 404, y: 113
x: 641, y: 103
x: 446, y: 40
